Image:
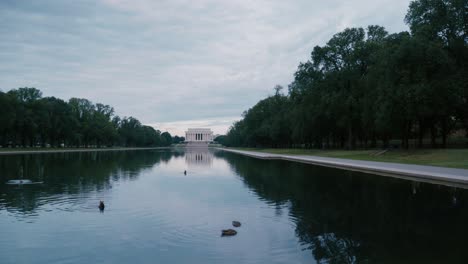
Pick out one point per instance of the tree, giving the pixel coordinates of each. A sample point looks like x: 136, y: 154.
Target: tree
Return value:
x: 25, y: 123
x: 166, y: 139
x: 28, y: 119
x: 26, y: 94
x: 7, y: 118
x: 177, y: 139
x: 366, y: 85
x: 443, y: 25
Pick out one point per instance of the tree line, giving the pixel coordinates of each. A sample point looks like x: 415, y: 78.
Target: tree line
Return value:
x: 29, y: 120
x: 368, y: 88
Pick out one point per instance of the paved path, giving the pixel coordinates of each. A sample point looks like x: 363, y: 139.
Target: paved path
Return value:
x: 431, y: 174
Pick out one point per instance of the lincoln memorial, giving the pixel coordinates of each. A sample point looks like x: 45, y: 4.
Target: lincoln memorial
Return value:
x: 199, y: 135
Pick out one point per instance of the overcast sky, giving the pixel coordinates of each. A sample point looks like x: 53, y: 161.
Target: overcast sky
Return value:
x: 173, y: 64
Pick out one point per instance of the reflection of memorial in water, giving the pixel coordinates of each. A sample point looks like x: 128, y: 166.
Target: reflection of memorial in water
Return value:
x: 199, y: 158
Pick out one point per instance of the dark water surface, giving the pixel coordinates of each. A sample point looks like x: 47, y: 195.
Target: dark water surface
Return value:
x: 290, y: 212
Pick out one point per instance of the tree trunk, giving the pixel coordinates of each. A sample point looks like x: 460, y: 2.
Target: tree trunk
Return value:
x: 350, y: 138
x: 408, y: 133
x: 433, y: 136
x: 444, y: 133
x: 420, y: 134
x: 385, y: 141
x: 374, y: 140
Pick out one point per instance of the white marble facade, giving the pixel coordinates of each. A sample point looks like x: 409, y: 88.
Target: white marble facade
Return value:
x: 199, y: 135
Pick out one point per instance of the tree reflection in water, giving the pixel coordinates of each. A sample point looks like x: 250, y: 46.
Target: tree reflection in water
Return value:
x: 70, y: 174
x: 339, y: 216
x: 351, y: 217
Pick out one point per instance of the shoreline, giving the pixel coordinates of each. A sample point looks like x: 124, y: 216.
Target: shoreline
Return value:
x: 450, y: 158
x: 423, y: 173
x: 42, y: 151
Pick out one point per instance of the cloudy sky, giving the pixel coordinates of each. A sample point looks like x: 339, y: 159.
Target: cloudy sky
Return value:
x: 172, y: 64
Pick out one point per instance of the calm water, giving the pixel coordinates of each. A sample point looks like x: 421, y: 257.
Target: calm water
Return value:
x: 290, y: 213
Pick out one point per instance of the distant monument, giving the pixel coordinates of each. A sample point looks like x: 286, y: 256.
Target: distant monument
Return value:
x: 198, y: 137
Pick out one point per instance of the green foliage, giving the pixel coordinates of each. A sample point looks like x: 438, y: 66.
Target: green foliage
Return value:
x: 177, y: 139
x: 366, y: 86
x: 166, y: 139
x: 29, y: 120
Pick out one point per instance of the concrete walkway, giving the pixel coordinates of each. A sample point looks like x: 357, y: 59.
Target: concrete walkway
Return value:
x: 431, y: 174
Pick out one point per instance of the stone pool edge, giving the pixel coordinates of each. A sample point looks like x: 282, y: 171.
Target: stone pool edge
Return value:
x: 430, y: 174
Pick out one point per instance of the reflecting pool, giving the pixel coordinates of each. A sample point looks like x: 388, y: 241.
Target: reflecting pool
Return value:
x: 290, y: 212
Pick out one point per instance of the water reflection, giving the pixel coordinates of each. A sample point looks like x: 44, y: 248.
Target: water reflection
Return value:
x: 199, y: 157
x: 333, y: 216
x: 349, y: 217
x: 70, y: 176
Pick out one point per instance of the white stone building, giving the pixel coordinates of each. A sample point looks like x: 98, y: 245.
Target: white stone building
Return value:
x: 199, y: 135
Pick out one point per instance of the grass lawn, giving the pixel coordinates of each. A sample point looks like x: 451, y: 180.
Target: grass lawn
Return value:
x: 454, y: 158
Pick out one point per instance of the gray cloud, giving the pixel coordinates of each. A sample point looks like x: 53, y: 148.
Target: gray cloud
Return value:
x: 167, y: 62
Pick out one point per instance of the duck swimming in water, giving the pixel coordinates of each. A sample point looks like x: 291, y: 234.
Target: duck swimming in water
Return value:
x: 101, y: 205
x: 236, y: 224
x: 228, y: 232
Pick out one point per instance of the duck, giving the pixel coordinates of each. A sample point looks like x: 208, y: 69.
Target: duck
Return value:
x: 101, y: 205
x: 236, y: 223
x: 228, y: 232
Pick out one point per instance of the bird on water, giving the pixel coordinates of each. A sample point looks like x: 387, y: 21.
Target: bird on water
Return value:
x: 228, y: 232
x: 101, y: 205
